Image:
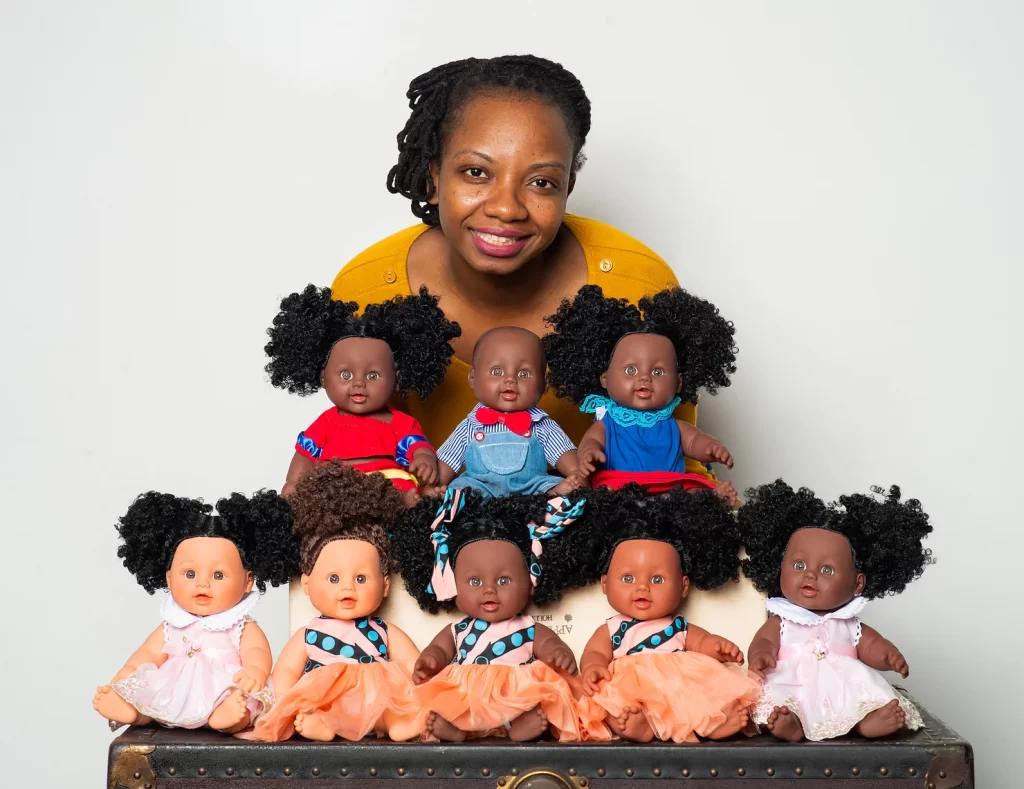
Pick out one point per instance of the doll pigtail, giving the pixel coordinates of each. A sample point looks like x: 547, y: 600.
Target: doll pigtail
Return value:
x: 415, y: 550
x: 302, y: 335
x: 419, y: 336
x: 261, y: 529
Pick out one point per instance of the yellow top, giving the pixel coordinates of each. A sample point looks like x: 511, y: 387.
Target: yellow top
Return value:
x: 621, y: 265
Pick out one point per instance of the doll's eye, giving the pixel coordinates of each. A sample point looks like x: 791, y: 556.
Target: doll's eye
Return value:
x: 799, y: 565
x: 828, y: 569
x: 630, y: 369
x: 658, y: 579
x: 333, y: 578
x: 497, y: 371
x: 475, y: 582
x: 627, y: 579
x: 504, y: 581
x: 218, y: 576
x: 524, y: 374
x: 658, y: 371
x: 360, y: 579
x: 373, y: 376
x: 345, y: 375
x: 190, y: 574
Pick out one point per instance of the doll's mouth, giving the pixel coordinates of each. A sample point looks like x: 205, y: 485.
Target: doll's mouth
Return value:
x: 202, y: 598
x: 808, y: 591
x: 642, y: 603
x: 490, y: 606
x: 358, y: 398
x: 347, y: 602
x: 643, y: 393
x: 510, y: 395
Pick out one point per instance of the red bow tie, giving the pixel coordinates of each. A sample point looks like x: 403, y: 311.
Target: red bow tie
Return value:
x: 518, y: 422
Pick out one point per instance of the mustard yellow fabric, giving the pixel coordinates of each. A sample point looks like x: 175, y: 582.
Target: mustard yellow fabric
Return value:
x: 621, y: 265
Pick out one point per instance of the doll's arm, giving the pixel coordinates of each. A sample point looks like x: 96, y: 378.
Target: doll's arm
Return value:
x: 436, y: 656
x: 445, y: 473
x: 590, y: 452
x: 297, y: 470
x: 403, y: 651
x: 549, y: 648
x: 151, y: 651
x: 290, y: 663
x: 764, y: 648
x: 880, y: 653
x: 254, y: 651
x: 721, y: 649
x: 424, y: 466
x: 597, y: 657
x: 702, y: 447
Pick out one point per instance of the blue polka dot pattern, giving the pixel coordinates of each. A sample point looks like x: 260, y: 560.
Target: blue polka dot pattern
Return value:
x: 516, y: 639
x: 470, y: 639
x: 655, y: 640
x: 347, y: 651
x: 373, y: 635
x: 442, y: 549
x: 480, y: 624
x: 481, y: 660
x: 327, y: 644
x: 310, y: 636
x: 498, y: 648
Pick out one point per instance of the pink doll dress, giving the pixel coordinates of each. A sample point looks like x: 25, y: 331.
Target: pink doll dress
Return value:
x: 197, y: 676
x: 818, y: 675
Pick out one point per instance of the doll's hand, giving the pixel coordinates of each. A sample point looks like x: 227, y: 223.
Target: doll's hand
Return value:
x: 573, y: 482
x: 562, y: 658
x: 589, y: 458
x: 287, y: 489
x: 718, y: 453
x: 250, y: 679
x: 593, y: 676
x: 895, y: 661
x: 726, y: 651
x: 427, y: 665
x: 424, y: 467
x: 761, y: 663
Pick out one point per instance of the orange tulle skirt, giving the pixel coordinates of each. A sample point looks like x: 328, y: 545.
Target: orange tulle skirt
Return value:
x: 682, y: 694
x: 480, y: 699
x: 352, y: 699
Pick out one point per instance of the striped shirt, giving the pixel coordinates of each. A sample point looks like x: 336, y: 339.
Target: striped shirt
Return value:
x: 554, y: 440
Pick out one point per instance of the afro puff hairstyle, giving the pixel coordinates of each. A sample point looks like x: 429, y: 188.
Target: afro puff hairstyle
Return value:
x: 336, y: 502
x: 586, y: 330
x: 260, y: 527
x: 504, y: 519
x: 885, y: 534
x: 311, y: 322
x: 699, y: 525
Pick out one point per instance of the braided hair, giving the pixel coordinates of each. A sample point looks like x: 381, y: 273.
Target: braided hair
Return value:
x: 437, y: 97
x: 311, y: 322
x: 587, y: 329
x: 885, y: 534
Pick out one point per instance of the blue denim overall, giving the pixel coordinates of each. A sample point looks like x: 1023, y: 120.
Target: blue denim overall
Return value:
x: 503, y: 462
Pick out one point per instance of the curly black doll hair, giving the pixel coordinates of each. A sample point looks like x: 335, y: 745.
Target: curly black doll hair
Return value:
x: 311, y: 322
x: 884, y: 533
x: 505, y: 518
x: 336, y: 502
x: 437, y: 97
x: 699, y: 525
x: 260, y: 527
x: 586, y: 330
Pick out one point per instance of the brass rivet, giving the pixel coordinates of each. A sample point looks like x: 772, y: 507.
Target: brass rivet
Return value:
x: 828, y: 773
x: 147, y: 786
x: 137, y: 776
x: 287, y: 771
x: 485, y: 772
x: 741, y: 771
x: 686, y: 773
x: 572, y: 771
x: 629, y: 771
x: 771, y: 771
x: 657, y: 771
x: 390, y: 276
x: 855, y: 771
x: 583, y: 781
x: 230, y: 771
x: 401, y: 771
x: 912, y: 771
x: 258, y: 771
x: 605, y: 265
x: 344, y: 771
x: 501, y: 782
x: 884, y: 771
x: 201, y: 771
x: 714, y: 773
x: 942, y: 773
x: 799, y: 771
x: 430, y: 771
x: 931, y: 786
x: 315, y: 771
x: 514, y: 771
x: 458, y: 771
x: 171, y: 771
x: 600, y: 771
x: 373, y: 771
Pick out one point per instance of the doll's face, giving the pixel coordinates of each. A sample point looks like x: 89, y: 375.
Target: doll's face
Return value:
x: 645, y: 580
x: 346, y: 581
x: 207, y: 577
x: 508, y: 369
x: 359, y: 376
x: 818, y: 571
x: 492, y: 580
x: 506, y: 166
x: 643, y: 373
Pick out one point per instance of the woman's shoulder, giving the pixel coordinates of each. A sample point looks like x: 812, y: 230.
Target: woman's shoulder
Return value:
x: 378, y: 272
x: 623, y: 266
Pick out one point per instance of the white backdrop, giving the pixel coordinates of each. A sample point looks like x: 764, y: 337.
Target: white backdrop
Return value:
x: 842, y: 179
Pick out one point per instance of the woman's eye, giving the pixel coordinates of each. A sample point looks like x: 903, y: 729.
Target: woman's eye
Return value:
x: 474, y: 172
x: 544, y: 183
x: 360, y: 579
x: 627, y: 579
x: 373, y: 376
x: 658, y: 371
x: 218, y: 576
x: 475, y: 582
x: 333, y: 578
x: 345, y: 375
x: 799, y: 565
x: 190, y: 574
x: 504, y: 581
x: 828, y: 569
x: 497, y: 371
x: 630, y: 369
x: 658, y: 579
x: 524, y: 374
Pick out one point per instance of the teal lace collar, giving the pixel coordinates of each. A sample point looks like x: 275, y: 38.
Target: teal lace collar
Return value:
x: 627, y: 417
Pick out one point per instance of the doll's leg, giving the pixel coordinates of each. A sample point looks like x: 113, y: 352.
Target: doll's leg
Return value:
x: 631, y: 724
x: 114, y: 708
x: 785, y: 725
x: 230, y: 715
x: 883, y: 721
x: 528, y: 726
x: 736, y: 718
x: 444, y: 730
x: 313, y: 727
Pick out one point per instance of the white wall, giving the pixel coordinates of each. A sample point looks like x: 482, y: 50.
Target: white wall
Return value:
x: 840, y: 178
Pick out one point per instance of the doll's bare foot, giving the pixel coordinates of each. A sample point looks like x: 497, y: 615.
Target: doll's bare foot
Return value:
x: 230, y: 715
x: 528, y: 726
x: 726, y: 491
x: 444, y: 730
x: 114, y: 708
x: 631, y: 725
x: 567, y: 485
x: 410, y: 498
x: 785, y: 725
x: 312, y: 726
x: 883, y: 721
x: 736, y: 720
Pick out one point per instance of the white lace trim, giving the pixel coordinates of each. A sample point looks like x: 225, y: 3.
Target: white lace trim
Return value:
x: 802, y: 616
x: 176, y: 616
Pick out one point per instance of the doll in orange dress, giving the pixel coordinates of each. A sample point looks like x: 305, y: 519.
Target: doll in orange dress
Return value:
x: 497, y: 671
x: 647, y: 673
x: 399, y: 346
x: 347, y: 673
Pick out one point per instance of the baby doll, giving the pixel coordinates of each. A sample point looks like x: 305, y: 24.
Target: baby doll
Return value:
x: 208, y: 662
x: 400, y: 345
x: 496, y: 671
x: 822, y: 564
x: 648, y: 673
x: 506, y: 443
x: 629, y: 366
x: 346, y: 673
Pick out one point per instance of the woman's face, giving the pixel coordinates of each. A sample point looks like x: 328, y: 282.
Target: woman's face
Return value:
x: 503, y: 179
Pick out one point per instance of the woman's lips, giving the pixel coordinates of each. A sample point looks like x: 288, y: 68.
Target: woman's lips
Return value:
x: 499, y: 244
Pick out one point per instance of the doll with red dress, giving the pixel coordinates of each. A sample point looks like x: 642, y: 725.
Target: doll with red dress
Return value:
x: 361, y: 361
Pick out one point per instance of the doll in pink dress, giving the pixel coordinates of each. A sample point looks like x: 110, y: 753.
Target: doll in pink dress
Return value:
x: 208, y: 662
x: 821, y: 564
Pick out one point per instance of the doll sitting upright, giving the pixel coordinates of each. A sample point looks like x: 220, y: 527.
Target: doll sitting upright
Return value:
x: 208, y: 662
x: 648, y: 673
x: 822, y: 564
x: 361, y: 361
x: 506, y: 443
x: 631, y: 368
x: 347, y: 672
x: 497, y: 671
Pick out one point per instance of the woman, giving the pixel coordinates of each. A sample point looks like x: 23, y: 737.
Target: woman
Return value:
x: 488, y: 158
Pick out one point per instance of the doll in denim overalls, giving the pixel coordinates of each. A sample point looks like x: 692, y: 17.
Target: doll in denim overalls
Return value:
x: 506, y: 443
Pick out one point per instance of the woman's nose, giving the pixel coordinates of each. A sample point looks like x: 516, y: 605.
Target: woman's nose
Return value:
x: 504, y: 203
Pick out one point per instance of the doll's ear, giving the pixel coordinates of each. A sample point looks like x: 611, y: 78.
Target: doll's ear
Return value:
x: 433, y: 171
x: 861, y: 581
x: 305, y: 584
x: 604, y: 584
x: 250, y: 579
x: 387, y: 585
x: 679, y: 383
x: 686, y: 587
x: 322, y: 385
x: 604, y: 380
x: 472, y: 377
